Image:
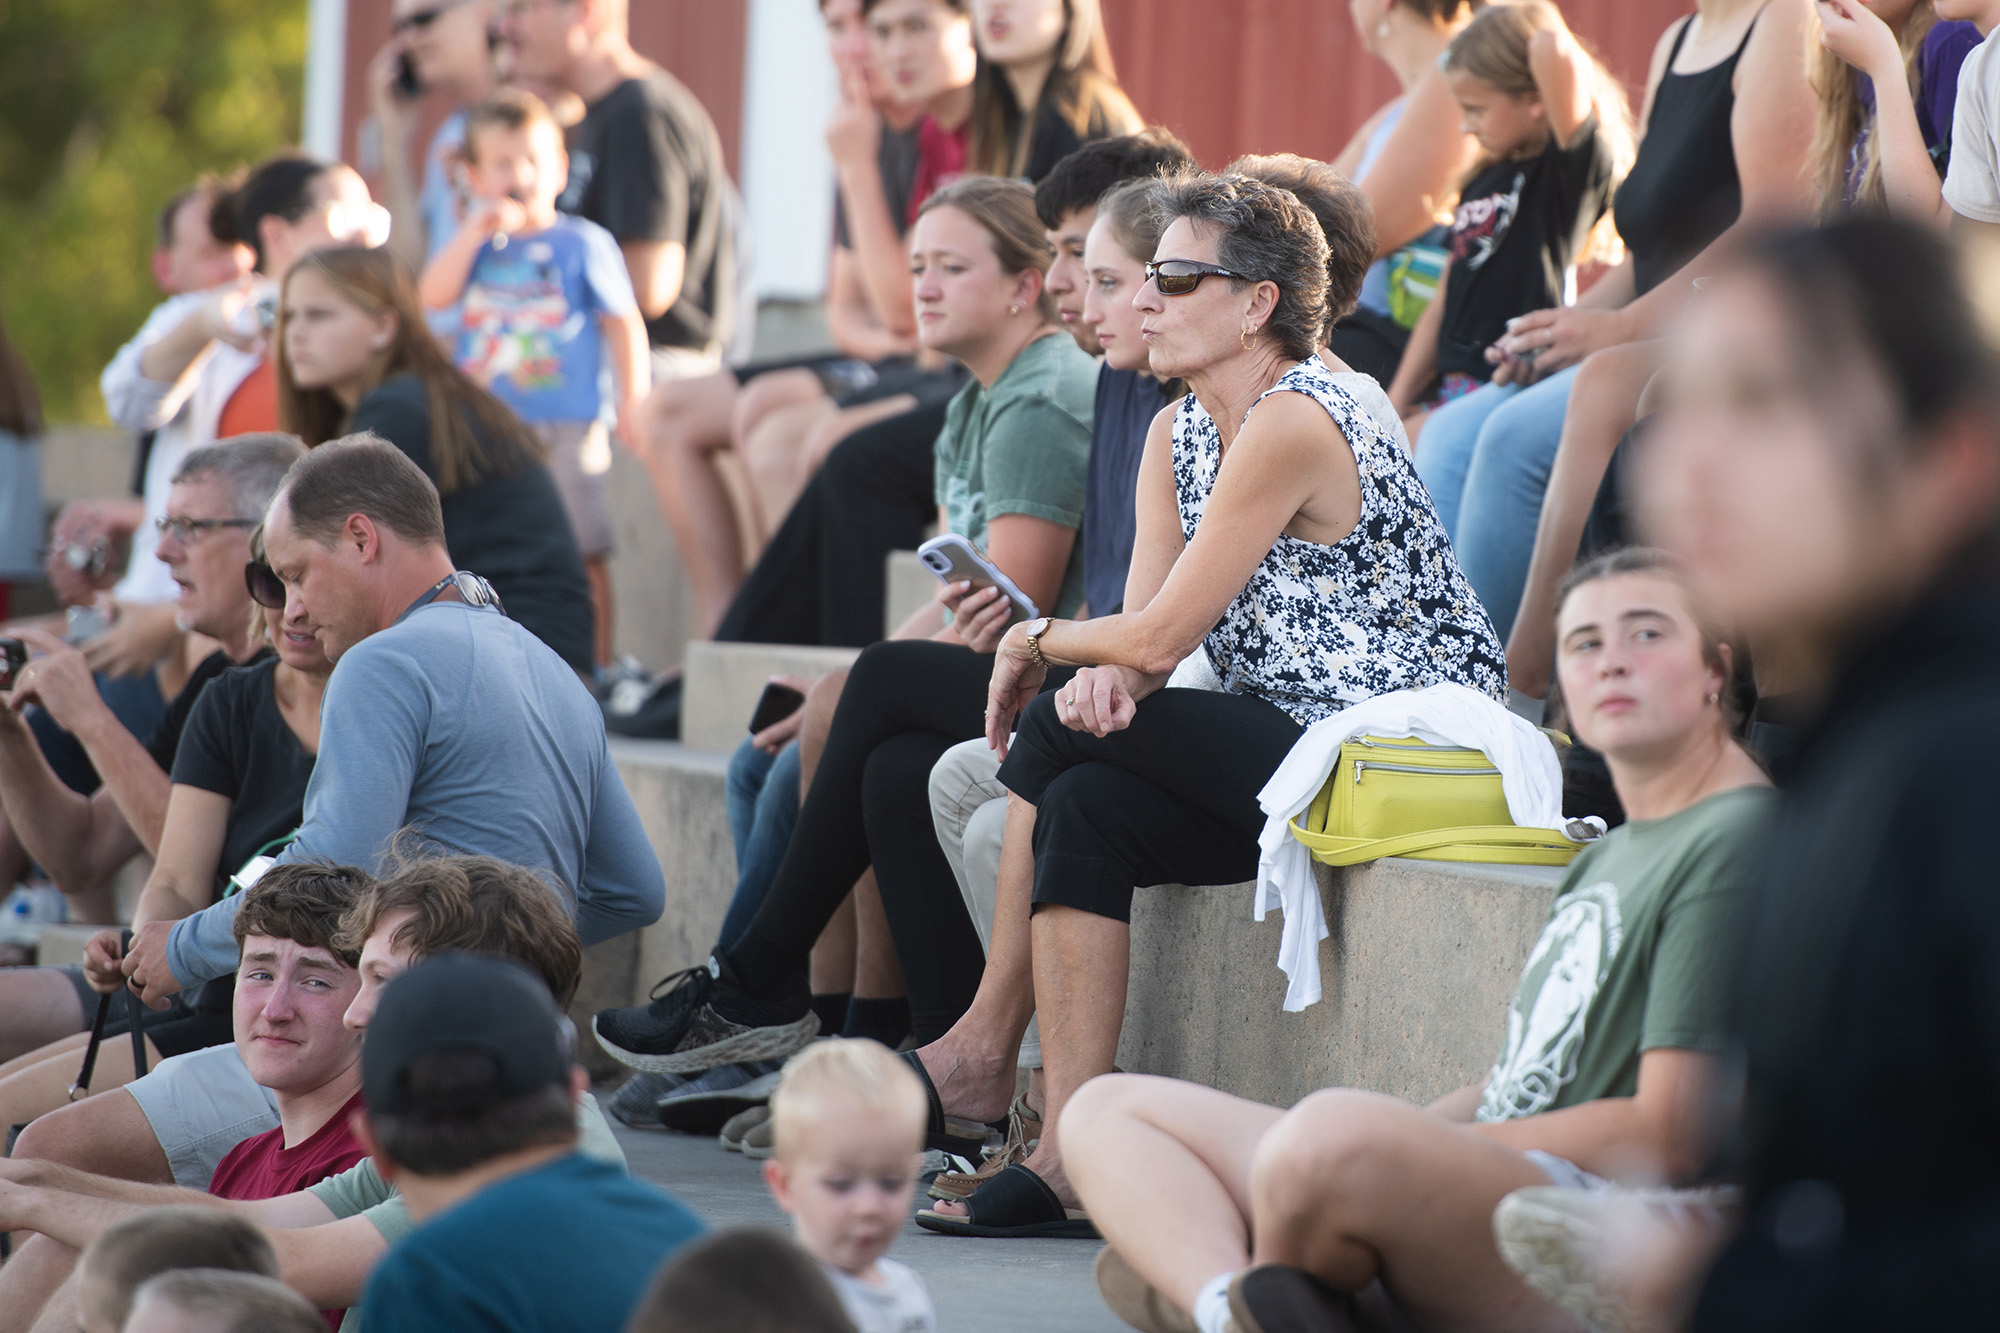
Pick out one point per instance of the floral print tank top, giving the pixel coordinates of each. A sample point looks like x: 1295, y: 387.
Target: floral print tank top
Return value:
x: 1321, y: 627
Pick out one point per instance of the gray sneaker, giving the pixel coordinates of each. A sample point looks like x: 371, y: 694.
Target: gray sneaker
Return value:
x: 636, y: 1103
x: 705, y: 1102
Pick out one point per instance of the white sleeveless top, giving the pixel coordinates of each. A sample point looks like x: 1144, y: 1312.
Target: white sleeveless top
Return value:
x: 1321, y: 627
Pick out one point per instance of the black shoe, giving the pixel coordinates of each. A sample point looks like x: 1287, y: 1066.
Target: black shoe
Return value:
x: 700, y: 1019
x: 1276, y: 1298
x: 652, y: 713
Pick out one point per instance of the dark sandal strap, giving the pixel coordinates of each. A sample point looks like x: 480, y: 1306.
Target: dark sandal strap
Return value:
x: 1015, y: 1197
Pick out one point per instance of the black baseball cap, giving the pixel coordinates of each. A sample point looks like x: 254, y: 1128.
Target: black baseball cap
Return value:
x: 463, y: 1002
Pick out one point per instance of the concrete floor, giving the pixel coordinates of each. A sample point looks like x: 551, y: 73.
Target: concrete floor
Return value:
x: 979, y: 1286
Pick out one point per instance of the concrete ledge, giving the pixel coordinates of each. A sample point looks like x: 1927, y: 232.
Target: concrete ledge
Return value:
x: 1417, y: 971
x: 62, y: 945
x: 908, y: 586
x: 725, y: 680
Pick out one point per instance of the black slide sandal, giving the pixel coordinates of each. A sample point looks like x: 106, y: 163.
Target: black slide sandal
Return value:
x: 1016, y: 1204
x: 943, y: 1133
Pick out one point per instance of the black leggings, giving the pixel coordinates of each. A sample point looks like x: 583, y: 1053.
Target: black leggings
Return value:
x: 1171, y: 799
x: 906, y: 702
x: 820, y: 580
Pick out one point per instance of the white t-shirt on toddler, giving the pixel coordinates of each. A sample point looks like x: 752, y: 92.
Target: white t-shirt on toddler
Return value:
x: 899, y: 1303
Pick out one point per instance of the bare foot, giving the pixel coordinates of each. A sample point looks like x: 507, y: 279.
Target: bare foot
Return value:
x: 1045, y: 1162
x: 972, y: 1085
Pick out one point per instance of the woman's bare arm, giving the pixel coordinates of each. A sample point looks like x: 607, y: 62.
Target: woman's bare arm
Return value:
x: 1416, y: 177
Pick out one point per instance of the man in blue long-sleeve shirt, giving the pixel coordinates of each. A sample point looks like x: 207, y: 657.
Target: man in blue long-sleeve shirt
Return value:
x: 440, y: 715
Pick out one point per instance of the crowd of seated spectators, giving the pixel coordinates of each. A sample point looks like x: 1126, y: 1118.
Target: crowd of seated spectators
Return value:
x: 1680, y: 432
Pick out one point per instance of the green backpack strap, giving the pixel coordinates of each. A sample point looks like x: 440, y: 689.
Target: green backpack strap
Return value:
x: 1504, y: 844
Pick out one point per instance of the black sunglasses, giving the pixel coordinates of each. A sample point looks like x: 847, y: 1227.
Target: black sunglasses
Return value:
x: 1178, y: 277
x: 266, y: 588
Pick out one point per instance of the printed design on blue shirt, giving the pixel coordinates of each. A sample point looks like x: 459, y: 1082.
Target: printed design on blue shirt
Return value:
x: 1480, y: 225
x: 516, y: 318
x: 1567, y: 968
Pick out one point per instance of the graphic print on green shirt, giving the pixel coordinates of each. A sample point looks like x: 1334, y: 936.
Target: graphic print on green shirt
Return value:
x: 1022, y: 447
x: 1633, y: 958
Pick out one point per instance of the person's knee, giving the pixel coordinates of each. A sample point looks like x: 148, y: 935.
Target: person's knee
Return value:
x: 1337, y: 1149
x: 69, y: 1140
x: 822, y: 701
x: 1103, y: 1108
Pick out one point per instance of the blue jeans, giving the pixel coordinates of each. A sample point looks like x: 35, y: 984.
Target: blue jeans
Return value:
x: 1485, y: 458
x: 763, y: 810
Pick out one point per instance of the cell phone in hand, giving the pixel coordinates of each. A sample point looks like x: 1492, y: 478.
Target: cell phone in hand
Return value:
x: 13, y: 656
x: 956, y: 560
x: 777, y: 703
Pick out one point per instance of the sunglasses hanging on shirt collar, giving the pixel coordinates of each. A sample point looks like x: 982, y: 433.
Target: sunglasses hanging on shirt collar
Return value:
x: 268, y: 590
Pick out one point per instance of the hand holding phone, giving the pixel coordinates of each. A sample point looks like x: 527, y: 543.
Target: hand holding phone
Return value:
x: 955, y: 560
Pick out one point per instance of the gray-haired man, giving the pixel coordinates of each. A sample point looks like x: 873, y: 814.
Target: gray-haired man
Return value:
x: 219, y: 494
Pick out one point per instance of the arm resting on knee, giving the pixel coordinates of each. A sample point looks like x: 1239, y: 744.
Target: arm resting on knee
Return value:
x: 1661, y: 1131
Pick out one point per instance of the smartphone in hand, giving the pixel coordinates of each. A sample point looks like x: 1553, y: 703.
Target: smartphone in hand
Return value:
x: 777, y: 703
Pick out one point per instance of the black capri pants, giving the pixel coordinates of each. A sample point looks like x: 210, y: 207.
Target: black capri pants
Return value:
x: 1171, y: 799
x: 905, y: 703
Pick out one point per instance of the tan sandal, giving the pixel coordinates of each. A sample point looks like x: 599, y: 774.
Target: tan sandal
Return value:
x: 1024, y: 1131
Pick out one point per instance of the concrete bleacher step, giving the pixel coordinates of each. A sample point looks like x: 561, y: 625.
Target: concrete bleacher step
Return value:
x: 1420, y: 962
x: 725, y: 680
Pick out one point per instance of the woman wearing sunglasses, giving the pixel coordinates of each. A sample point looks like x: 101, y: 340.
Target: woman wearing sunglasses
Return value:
x: 238, y: 789
x: 1282, y: 529
x: 359, y: 357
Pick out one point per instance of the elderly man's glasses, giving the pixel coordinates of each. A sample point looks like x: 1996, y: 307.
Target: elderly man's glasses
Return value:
x: 183, y: 530
x: 1178, y: 277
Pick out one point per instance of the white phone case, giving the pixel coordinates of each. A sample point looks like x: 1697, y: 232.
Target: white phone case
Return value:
x: 955, y: 560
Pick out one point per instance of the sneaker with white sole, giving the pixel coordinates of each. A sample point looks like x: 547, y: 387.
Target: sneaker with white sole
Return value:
x: 700, y: 1018
x: 707, y: 1101
x: 1564, y: 1243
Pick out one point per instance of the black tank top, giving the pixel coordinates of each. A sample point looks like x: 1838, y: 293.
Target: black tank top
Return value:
x: 1682, y: 191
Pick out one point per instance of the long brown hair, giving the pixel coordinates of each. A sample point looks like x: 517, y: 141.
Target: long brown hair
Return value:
x: 474, y: 436
x: 1082, y: 87
x: 20, y: 400
x: 1842, y: 117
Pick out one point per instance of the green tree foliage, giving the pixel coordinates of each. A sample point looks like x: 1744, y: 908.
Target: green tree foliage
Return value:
x: 107, y: 107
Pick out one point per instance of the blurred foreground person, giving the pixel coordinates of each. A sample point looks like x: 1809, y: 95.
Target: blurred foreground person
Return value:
x: 1830, y: 473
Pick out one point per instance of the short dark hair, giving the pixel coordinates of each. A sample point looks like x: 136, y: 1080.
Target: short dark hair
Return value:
x: 507, y: 109
x: 363, y: 474
x: 229, y: 1302
x: 1082, y: 178
x: 744, y: 1281
x: 476, y: 905
x: 127, y: 1253
x: 1266, y: 234
x: 1346, y: 220
x: 279, y: 187
x: 460, y: 1119
x: 302, y: 902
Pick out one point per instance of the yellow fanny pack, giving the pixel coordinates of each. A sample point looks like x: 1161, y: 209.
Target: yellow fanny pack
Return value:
x: 1398, y: 796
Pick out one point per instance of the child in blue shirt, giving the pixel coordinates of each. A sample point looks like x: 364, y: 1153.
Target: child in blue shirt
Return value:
x: 543, y: 301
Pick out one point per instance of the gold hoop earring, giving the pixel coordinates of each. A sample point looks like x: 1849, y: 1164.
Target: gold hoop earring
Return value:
x: 1244, y: 337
